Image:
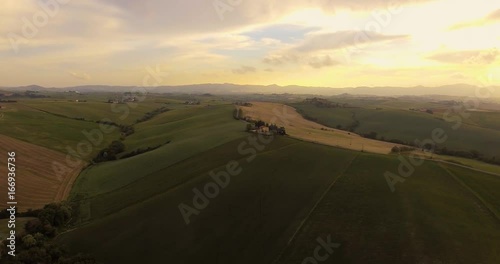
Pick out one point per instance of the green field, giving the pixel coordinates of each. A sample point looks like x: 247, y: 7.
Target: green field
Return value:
x: 189, y: 131
x: 130, y: 209
x: 479, y: 132
x: 97, y: 110
x: 47, y: 130
x: 429, y: 219
x: 292, y: 192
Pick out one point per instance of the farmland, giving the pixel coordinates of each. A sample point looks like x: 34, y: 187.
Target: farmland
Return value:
x: 303, y: 129
x: 263, y: 207
x: 47, y: 130
x: 286, y: 192
x: 38, y: 183
x: 96, y: 109
x: 292, y: 193
x: 394, y: 121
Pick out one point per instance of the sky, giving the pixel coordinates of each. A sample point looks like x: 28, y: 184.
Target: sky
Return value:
x: 342, y: 43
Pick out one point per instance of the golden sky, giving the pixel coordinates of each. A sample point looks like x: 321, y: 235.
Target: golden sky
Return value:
x: 340, y: 43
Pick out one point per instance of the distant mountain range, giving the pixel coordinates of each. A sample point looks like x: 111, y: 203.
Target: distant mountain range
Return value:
x: 449, y: 90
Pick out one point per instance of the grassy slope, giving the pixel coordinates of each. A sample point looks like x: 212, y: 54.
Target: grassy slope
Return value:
x: 190, y: 131
x: 484, y: 185
x: 47, y: 130
x: 233, y: 227
x: 408, y: 126
x: 430, y: 217
x: 97, y: 110
x: 485, y: 119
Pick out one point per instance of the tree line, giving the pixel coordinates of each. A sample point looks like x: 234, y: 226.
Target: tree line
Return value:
x: 36, y: 243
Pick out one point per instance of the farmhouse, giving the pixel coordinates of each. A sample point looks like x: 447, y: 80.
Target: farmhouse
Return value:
x: 263, y: 130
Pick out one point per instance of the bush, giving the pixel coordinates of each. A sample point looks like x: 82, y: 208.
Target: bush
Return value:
x: 109, y: 153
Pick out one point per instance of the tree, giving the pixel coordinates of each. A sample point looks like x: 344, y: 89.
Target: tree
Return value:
x: 395, y: 149
x: 259, y: 123
x: 34, y: 226
x: 281, y: 131
x: 372, y: 135
x: 29, y: 241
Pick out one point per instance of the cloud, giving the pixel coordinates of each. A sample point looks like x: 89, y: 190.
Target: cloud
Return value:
x: 491, y: 18
x: 458, y: 76
x: 342, y: 39
x: 481, y: 57
x: 311, y: 51
x: 277, y: 60
x: 200, y: 16
x: 244, y: 70
x: 81, y: 76
x: 281, y: 32
x: 321, y: 62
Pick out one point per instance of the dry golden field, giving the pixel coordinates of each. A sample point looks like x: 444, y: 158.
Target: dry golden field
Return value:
x: 301, y: 128
x: 37, y: 184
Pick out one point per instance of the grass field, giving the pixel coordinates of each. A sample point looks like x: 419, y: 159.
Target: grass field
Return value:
x: 190, y: 131
x: 37, y: 183
x: 47, y: 130
x: 430, y: 218
x: 292, y: 193
x: 478, y: 132
x: 96, y: 109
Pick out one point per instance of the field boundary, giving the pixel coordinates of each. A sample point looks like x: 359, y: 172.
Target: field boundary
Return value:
x: 464, y: 166
x: 469, y: 189
x: 302, y: 223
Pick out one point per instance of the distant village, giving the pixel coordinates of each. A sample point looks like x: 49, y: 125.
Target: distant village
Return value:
x: 192, y: 102
x: 127, y: 97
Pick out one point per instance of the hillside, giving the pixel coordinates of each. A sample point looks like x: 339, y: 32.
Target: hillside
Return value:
x: 278, y: 203
x: 42, y: 174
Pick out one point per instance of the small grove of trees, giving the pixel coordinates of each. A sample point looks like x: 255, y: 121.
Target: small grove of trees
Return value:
x: 471, y: 154
x: 324, y: 103
x: 116, y: 147
x: 35, y: 244
x: 272, y: 127
x: 247, y: 104
x: 125, y: 130
x: 152, y: 114
x: 141, y: 151
x: 400, y: 149
x: 372, y: 135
